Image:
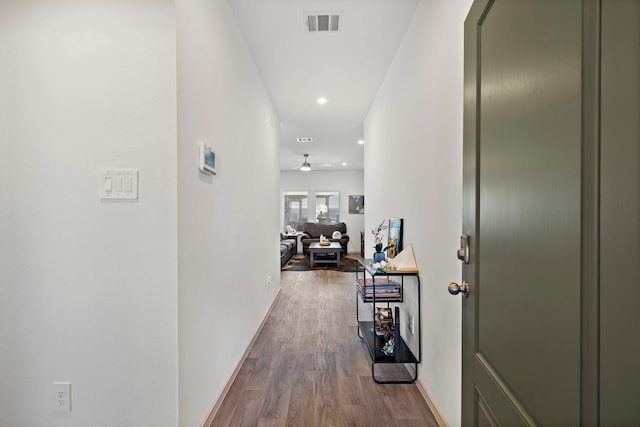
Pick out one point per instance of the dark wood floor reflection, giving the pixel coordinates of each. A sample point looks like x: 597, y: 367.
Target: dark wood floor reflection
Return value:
x: 309, y: 368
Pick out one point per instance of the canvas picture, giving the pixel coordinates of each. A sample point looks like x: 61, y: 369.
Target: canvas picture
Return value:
x: 395, y: 236
x: 356, y: 204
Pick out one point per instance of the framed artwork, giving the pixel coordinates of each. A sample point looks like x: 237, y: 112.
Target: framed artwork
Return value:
x: 395, y: 236
x: 356, y: 204
x: 207, y: 159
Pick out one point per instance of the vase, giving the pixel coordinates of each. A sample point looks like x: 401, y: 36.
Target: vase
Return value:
x: 378, y: 256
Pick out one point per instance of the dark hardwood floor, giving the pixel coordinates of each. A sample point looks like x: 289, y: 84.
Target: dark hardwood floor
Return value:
x: 309, y: 368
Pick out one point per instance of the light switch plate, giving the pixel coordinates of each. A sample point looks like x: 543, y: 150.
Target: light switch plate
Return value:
x: 119, y: 184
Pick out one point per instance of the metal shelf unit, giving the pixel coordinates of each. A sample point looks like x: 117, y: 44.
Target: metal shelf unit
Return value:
x: 374, y: 289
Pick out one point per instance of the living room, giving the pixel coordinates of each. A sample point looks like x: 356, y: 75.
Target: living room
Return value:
x: 343, y: 184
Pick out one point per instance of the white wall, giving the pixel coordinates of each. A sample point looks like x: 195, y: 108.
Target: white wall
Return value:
x: 87, y: 287
x: 346, y: 182
x: 417, y: 116
x: 227, y: 247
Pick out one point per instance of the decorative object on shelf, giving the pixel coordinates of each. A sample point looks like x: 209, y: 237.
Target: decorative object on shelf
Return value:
x: 395, y: 236
x: 396, y: 327
x: 385, y: 289
x: 377, y: 237
x: 356, y: 204
x: 383, y: 322
x: 383, y: 266
x: 324, y: 241
x: 389, y: 346
x: 405, y: 261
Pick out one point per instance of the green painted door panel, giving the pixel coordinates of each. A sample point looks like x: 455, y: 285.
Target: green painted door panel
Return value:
x: 620, y: 215
x: 551, y: 200
x: 522, y: 335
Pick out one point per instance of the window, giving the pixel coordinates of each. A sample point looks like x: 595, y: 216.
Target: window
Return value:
x: 327, y: 207
x: 295, y: 209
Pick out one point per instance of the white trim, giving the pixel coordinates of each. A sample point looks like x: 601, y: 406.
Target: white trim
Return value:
x: 440, y: 419
x: 218, y: 402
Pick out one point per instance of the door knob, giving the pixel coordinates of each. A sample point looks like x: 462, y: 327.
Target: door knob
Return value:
x: 455, y: 289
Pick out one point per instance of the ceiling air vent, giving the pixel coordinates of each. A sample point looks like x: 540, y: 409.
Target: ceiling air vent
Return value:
x: 319, y: 23
x: 304, y: 139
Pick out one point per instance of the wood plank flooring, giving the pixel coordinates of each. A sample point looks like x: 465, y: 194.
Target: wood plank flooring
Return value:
x: 309, y: 368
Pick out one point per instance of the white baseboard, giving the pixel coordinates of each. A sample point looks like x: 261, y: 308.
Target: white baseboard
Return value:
x: 440, y: 419
x: 218, y: 402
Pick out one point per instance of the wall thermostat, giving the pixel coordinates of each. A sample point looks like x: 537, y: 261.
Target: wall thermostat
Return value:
x: 207, y: 159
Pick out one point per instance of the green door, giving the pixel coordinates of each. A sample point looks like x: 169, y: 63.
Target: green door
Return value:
x: 551, y: 197
x: 619, y: 316
x: 521, y: 361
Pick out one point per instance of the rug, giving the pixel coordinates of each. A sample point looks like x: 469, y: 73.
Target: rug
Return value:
x: 300, y: 262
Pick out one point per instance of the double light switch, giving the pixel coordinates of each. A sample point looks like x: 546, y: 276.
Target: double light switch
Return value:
x: 118, y: 184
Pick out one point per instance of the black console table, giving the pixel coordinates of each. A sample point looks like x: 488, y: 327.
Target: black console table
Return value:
x: 386, y: 290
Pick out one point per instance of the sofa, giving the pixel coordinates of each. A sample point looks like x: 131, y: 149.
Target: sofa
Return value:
x: 311, y: 232
x: 288, y: 248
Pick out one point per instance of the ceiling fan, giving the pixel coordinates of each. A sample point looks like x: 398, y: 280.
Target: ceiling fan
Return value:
x: 306, y: 166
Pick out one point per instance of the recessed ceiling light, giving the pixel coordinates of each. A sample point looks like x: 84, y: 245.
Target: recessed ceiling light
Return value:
x: 344, y: 163
x: 322, y: 100
x: 361, y: 142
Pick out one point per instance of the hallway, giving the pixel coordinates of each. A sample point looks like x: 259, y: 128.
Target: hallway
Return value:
x: 158, y: 289
x: 308, y: 367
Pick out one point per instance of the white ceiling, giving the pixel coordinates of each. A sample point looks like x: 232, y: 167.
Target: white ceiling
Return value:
x: 346, y: 67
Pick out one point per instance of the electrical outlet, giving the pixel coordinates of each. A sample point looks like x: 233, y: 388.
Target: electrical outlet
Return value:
x: 411, y: 324
x: 269, y: 278
x: 62, y: 397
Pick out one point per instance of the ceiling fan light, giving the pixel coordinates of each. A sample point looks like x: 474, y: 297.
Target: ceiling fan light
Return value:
x: 306, y: 166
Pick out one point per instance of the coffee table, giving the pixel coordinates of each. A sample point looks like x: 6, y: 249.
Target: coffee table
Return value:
x: 315, y: 249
